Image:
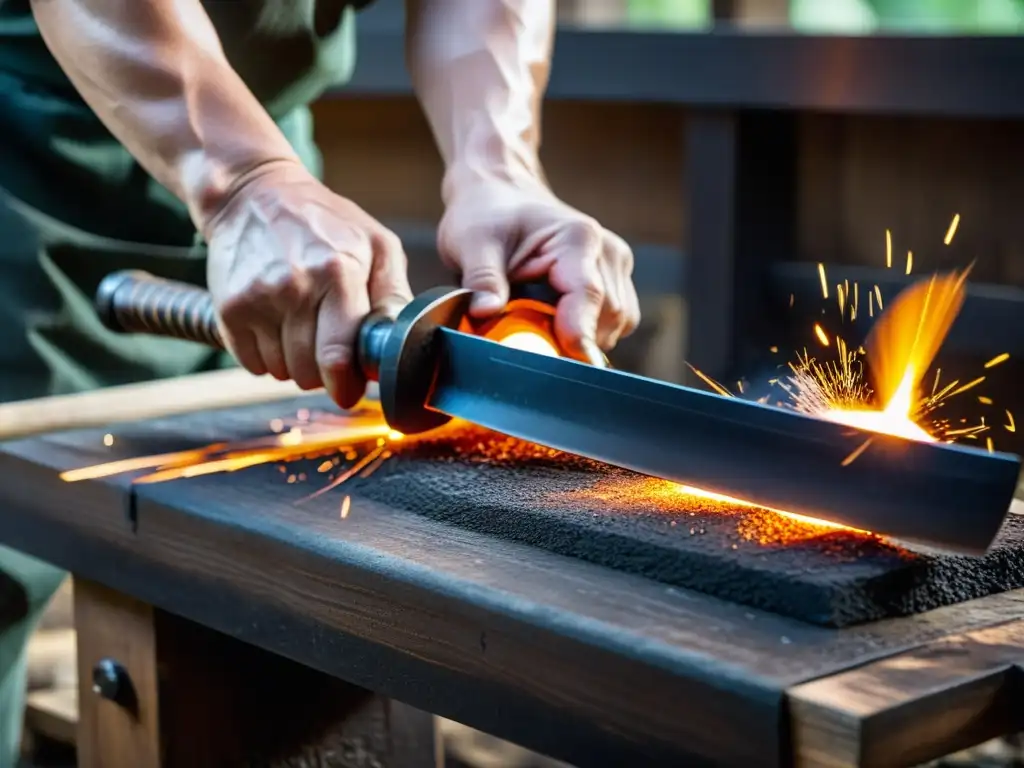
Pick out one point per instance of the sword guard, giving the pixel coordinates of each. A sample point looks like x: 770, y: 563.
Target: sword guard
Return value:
x: 402, y: 355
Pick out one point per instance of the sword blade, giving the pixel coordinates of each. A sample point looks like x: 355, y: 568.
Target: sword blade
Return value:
x: 938, y: 494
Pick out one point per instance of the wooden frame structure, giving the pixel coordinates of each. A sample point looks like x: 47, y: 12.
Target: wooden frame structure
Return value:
x: 483, y: 631
x: 634, y: 672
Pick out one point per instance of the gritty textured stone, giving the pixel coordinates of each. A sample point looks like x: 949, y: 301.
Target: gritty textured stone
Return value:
x: 571, y: 506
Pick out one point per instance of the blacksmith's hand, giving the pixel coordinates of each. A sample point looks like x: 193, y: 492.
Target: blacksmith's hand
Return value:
x: 294, y: 269
x: 497, y: 230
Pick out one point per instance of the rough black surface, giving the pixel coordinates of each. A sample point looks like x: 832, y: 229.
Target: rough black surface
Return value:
x: 614, y: 518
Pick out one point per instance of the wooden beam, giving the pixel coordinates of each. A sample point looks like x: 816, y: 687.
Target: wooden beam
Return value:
x: 184, y: 696
x: 126, y: 732
x: 913, y: 707
x: 151, y: 399
x: 53, y: 714
x: 742, y: 221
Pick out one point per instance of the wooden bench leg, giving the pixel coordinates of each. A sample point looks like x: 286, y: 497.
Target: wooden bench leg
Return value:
x: 157, y: 691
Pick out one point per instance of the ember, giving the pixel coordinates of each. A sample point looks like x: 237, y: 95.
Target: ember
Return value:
x: 903, y: 346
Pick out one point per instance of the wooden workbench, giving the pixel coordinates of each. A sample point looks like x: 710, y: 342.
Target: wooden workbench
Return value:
x: 220, y: 596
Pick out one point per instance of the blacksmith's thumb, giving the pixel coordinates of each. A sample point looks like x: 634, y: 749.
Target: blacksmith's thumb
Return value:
x: 483, y: 272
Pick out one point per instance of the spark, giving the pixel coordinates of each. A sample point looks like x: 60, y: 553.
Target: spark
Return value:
x: 857, y: 452
x: 910, y: 261
x: 820, y: 333
x: 888, y: 249
x: 1010, y: 425
x: 824, y: 282
x: 969, y: 385
x: 346, y: 505
x: 108, y: 439
x: 348, y: 474
x: 952, y: 229
x: 997, y: 360
x: 718, y: 388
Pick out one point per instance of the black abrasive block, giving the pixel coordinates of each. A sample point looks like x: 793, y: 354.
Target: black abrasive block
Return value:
x: 822, y: 575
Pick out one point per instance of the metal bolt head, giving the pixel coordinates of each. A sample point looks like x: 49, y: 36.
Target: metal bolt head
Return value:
x: 108, y: 679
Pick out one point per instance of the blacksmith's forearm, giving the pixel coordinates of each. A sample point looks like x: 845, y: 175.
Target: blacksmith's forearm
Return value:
x: 480, y: 69
x: 156, y: 75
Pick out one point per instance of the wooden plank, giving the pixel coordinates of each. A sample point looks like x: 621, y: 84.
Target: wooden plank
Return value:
x: 186, y: 394
x: 189, y: 697
x: 225, y: 703
x: 563, y: 657
x: 53, y: 713
x: 913, y: 707
x: 51, y: 659
x: 114, y: 626
x: 966, y: 76
x: 51, y: 709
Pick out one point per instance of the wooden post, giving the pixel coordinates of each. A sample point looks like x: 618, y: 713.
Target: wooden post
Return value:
x: 114, y: 627
x: 741, y: 176
x: 158, y: 691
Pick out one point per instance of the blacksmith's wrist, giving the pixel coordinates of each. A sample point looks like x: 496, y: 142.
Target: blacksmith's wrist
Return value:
x: 220, y: 191
x: 475, y: 170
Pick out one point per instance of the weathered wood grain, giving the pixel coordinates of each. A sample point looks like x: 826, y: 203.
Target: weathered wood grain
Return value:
x: 116, y: 626
x: 570, y: 659
x: 201, y: 699
x: 943, y: 696
x: 186, y: 394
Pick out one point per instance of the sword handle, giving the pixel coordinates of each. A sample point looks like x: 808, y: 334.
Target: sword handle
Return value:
x: 132, y: 301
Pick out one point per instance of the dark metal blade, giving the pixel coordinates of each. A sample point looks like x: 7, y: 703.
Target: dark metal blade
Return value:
x: 938, y: 494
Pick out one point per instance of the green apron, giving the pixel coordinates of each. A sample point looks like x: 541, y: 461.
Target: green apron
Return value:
x: 74, y: 206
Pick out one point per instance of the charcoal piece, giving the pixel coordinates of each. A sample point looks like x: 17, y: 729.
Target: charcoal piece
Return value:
x: 571, y: 506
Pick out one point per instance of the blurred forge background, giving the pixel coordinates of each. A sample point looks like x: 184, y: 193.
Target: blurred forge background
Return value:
x: 814, y: 16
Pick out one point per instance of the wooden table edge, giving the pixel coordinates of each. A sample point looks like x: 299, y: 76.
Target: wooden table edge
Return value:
x: 913, y: 706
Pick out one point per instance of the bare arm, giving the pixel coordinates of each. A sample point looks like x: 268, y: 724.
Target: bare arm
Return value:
x: 155, y: 74
x: 480, y: 69
x: 293, y: 268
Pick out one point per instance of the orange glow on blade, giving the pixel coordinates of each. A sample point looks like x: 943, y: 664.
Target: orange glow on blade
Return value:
x: 528, y: 341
